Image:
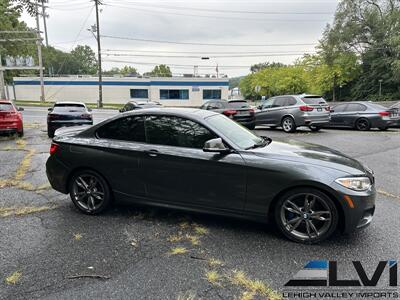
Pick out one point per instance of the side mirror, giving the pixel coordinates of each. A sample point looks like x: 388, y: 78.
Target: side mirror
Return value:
x: 20, y: 109
x: 215, y: 145
x: 50, y: 109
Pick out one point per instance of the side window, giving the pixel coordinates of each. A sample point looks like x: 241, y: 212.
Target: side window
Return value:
x: 340, y: 108
x: 290, y: 101
x: 178, y: 132
x: 355, y: 107
x: 268, y: 103
x: 279, y: 102
x: 125, y: 129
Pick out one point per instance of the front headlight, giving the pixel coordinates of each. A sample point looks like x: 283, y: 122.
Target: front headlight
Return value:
x: 355, y: 183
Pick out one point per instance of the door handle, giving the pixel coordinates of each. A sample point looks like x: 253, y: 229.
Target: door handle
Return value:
x: 152, y: 153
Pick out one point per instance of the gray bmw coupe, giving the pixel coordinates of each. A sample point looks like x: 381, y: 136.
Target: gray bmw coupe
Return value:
x: 202, y: 161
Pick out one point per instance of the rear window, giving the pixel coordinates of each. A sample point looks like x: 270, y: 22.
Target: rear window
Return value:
x: 69, y: 105
x: 313, y: 100
x: 377, y: 106
x: 69, y: 108
x: 239, y: 104
x: 6, y: 107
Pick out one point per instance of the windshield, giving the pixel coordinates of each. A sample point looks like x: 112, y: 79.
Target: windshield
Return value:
x: 236, y: 133
x: 314, y: 100
x: 6, y: 107
x: 238, y: 104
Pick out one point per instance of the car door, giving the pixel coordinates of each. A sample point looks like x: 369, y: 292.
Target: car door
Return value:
x: 263, y: 116
x: 338, y: 115
x: 278, y: 110
x: 178, y: 171
x: 352, y: 112
x: 125, y: 138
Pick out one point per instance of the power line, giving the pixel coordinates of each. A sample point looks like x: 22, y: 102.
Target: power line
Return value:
x: 205, y: 44
x: 218, y: 17
x: 203, y: 53
x: 198, y: 56
x: 225, y: 10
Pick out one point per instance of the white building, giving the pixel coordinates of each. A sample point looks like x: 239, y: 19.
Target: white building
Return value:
x: 170, y: 91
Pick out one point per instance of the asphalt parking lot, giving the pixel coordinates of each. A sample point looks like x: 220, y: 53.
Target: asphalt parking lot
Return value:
x: 48, y: 250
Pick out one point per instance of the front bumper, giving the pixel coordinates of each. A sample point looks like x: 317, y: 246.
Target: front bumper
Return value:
x: 358, y: 207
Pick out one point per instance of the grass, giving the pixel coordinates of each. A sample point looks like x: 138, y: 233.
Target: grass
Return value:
x: 14, y: 278
x: 190, y: 295
x: 240, y: 278
x: 178, y: 250
x: 77, y: 236
x: 213, y: 277
x: 22, y: 211
x: 200, y: 229
x: 24, y: 165
x: 193, y: 239
x: 213, y: 262
x: 174, y: 238
x: 247, y: 295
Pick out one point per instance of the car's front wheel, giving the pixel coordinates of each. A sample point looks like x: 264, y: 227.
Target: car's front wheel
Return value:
x: 315, y: 128
x: 288, y: 124
x: 306, y: 215
x: 89, y: 192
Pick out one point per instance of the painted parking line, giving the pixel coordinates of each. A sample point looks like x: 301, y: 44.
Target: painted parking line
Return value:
x: 387, y: 194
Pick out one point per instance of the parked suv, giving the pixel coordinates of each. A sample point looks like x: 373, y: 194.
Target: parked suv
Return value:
x: 238, y: 110
x: 292, y: 111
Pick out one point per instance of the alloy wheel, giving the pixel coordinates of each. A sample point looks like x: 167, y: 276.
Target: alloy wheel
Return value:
x: 306, y: 216
x: 363, y: 124
x: 88, y: 192
x: 287, y: 125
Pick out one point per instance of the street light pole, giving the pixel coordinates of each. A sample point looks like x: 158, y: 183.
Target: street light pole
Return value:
x: 100, y: 102
x: 39, y: 49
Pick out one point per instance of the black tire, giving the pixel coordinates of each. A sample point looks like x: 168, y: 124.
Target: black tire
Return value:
x: 21, y: 133
x: 363, y: 124
x: 325, y: 223
x: 82, y: 189
x: 251, y: 127
x: 383, y: 128
x: 288, y: 124
x: 50, y: 133
x: 315, y: 128
x: 272, y: 127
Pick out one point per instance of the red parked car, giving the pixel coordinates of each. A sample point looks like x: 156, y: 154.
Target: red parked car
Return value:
x: 11, y: 118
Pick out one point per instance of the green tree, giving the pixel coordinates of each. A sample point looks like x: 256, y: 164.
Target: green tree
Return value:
x: 84, y: 60
x: 160, y: 71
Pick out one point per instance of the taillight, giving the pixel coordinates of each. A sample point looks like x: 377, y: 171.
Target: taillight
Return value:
x: 229, y: 112
x: 306, y: 108
x: 53, y: 148
x: 384, y: 113
x: 86, y: 116
x: 53, y: 117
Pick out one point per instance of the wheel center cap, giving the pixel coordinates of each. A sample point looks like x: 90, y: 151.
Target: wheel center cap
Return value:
x: 305, y: 216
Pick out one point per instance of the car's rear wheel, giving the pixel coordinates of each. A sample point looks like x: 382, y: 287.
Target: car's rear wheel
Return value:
x: 306, y: 215
x: 315, y: 128
x: 363, y: 125
x: 288, y: 124
x: 89, y: 192
x: 251, y: 126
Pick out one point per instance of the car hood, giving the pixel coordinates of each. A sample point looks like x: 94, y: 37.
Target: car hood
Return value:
x: 312, y: 154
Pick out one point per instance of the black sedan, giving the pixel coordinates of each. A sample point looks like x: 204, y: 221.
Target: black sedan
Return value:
x: 238, y: 110
x: 202, y: 161
x: 363, y: 116
x: 65, y: 114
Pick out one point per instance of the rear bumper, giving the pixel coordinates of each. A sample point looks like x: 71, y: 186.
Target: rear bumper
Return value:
x: 313, y: 120
x: 8, y: 130
x: 57, y: 174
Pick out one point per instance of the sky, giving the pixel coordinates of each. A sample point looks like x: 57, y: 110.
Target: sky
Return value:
x: 232, y: 34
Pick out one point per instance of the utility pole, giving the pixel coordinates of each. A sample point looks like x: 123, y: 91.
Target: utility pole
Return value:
x: 39, y: 49
x: 2, y: 84
x: 100, y: 103
x: 45, y: 23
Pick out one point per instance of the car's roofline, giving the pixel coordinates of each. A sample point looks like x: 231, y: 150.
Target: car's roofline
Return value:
x: 70, y: 102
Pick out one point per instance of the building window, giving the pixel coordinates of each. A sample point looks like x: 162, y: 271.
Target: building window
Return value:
x: 174, y: 94
x: 139, y: 93
x: 211, y: 94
